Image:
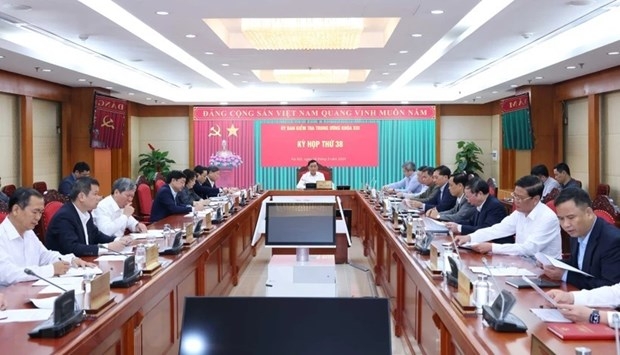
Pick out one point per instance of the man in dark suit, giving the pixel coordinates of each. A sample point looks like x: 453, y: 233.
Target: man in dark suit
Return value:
x: 167, y: 201
x: 72, y: 229
x: 562, y: 175
x: 488, y: 210
x: 594, y: 244
x: 443, y: 200
x: 462, y: 210
x: 213, y: 174
x: 200, y: 188
x: 80, y: 169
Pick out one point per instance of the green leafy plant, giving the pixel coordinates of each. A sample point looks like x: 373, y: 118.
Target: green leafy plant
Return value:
x: 154, y: 162
x: 467, y: 158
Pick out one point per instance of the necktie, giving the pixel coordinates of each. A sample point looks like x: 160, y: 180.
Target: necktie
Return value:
x: 476, y: 220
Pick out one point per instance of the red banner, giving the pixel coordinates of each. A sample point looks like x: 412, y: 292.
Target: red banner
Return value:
x: 516, y: 103
x: 108, y: 122
x: 314, y: 112
x: 339, y: 144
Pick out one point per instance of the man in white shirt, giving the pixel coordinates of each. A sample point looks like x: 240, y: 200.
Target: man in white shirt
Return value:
x: 574, y: 305
x: 408, y: 184
x: 19, y: 246
x: 312, y: 176
x: 550, y: 183
x: 535, y: 226
x: 114, y: 213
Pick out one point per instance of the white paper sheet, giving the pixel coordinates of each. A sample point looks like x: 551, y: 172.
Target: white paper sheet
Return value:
x: 80, y: 271
x: 126, y: 250
x: 550, y: 315
x: 53, y: 289
x: 548, y: 260
x: 502, y: 271
x: 44, y: 303
x: 155, y: 233
x: 26, y: 315
x: 200, y: 214
x: 111, y: 258
x: 61, y: 281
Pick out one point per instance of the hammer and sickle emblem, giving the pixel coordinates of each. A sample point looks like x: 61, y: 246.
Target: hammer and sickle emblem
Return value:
x: 213, y: 131
x: 107, y: 122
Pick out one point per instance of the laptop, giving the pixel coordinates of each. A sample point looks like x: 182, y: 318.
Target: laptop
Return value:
x: 176, y: 247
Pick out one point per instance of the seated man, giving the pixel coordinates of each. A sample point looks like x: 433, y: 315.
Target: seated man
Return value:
x: 20, y: 248
x: 213, y: 174
x: 114, y: 213
x: 488, y: 210
x: 200, y: 187
x: 562, y: 175
x: 187, y: 196
x: 462, y: 210
x: 79, y: 170
x: 166, y: 202
x: 573, y: 305
x: 312, y: 176
x: 409, y: 183
x: 72, y: 230
x: 542, y: 173
x: 3, y: 197
x: 594, y: 243
x: 534, y: 224
x: 443, y: 200
x: 428, y: 179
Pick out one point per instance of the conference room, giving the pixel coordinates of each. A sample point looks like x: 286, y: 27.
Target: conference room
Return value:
x: 117, y: 95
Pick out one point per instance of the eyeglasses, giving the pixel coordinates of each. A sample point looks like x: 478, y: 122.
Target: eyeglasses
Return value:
x: 519, y: 198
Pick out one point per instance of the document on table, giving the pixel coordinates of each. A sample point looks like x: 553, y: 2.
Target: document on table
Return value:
x: 111, y: 258
x: 25, y: 315
x: 502, y: 271
x: 154, y: 233
x: 548, y: 260
x: 550, y: 315
x: 80, y: 271
x: 64, y: 281
x: 53, y: 289
x: 44, y: 303
x: 200, y: 214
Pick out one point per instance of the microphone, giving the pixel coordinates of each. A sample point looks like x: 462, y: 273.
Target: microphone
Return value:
x: 456, y: 247
x: 32, y: 273
x: 496, y: 285
x: 615, y: 317
x: 131, y: 273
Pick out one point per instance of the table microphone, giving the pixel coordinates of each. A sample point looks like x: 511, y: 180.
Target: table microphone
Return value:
x: 131, y: 274
x: 32, y: 273
x: 615, y: 317
x: 496, y: 285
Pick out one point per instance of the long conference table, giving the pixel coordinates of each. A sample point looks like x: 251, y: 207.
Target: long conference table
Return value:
x: 146, y: 318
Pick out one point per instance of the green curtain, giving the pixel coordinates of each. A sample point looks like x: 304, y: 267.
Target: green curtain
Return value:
x: 399, y: 141
x: 517, y: 130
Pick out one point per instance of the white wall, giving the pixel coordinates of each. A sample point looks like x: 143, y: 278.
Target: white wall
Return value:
x: 576, y: 140
x: 46, y: 153
x: 610, y: 142
x: 10, y: 169
x: 164, y: 133
x: 478, y: 129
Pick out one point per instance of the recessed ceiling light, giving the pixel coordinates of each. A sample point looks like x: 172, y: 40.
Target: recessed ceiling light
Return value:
x: 570, y: 67
x: 579, y: 2
x: 514, y: 85
x: 437, y: 12
x: 162, y: 13
x: 404, y: 102
x: 539, y: 78
x: 478, y: 97
x: 392, y: 64
x: 131, y: 94
x: 385, y: 73
x: 283, y: 102
x: 223, y: 103
x: 344, y: 102
x: 136, y: 60
x: 613, y: 53
x: 209, y: 53
x: 244, y: 81
x: 373, y: 86
x: 109, y: 87
x: 494, y: 92
x: 416, y: 35
x: 148, y: 99
x: 480, y: 58
x: 81, y: 79
x: 190, y: 35
x: 225, y: 64
x: 236, y: 74
x: 1, y: 56
x: 46, y: 70
x: 403, y: 52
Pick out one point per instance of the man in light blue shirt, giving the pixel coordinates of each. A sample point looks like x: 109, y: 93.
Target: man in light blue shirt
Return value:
x: 409, y: 184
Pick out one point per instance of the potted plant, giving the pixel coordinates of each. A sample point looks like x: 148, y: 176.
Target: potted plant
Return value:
x: 154, y: 162
x: 467, y: 158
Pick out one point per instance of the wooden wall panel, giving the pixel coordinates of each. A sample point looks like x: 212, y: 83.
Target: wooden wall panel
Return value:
x: 16, y: 84
x: 594, y: 143
x: 595, y: 83
x: 27, y: 144
x: 467, y: 110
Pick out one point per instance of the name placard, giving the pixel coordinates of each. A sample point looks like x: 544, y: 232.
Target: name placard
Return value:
x: 464, y: 288
x: 152, y: 257
x: 409, y: 232
x: 207, y: 222
x: 189, y: 233
x: 99, y: 291
x: 236, y: 203
x: 226, y: 209
x: 324, y: 185
x: 434, y: 256
x: 395, y: 223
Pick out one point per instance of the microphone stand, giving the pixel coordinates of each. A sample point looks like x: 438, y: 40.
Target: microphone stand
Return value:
x: 486, y: 265
x: 615, y: 317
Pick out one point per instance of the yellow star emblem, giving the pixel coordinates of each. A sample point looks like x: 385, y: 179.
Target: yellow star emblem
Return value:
x: 232, y: 130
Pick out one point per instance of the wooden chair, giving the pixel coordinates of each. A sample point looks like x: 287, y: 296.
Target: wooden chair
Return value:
x: 551, y: 205
x: 603, y: 202
x: 141, y: 180
x: 605, y: 216
x: 144, y: 198
x: 54, y: 195
x: 158, y: 185
x: 49, y: 211
x: 551, y: 195
x: 3, y: 216
x: 603, y: 189
x: 327, y: 172
x: 9, y: 189
x: 40, y: 186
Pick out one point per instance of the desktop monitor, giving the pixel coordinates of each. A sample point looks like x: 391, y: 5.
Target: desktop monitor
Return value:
x: 284, y: 326
x: 300, y: 224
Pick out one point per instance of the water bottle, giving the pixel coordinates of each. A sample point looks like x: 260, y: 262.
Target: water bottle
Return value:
x: 141, y: 257
x: 481, y: 292
x: 167, y: 232
x: 447, y: 252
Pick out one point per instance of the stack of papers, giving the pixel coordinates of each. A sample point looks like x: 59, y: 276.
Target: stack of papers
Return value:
x: 111, y: 258
x: 547, y: 260
x: 200, y: 214
x: 81, y: 271
x: 550, y: 315
x: 127, y: 251
x: 502, y: 271
x: 154, y: 233
x: 24, y: 315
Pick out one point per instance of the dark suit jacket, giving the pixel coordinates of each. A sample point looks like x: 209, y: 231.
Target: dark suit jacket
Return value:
x: 492, y: 212
x: 210, y: 190
x: 601, y: 259
x: 165, y: 205
x: 65, y: 233
x: 442, y: 201
x: 201, y: 189
x: 187, y: 196
x: 66, y: 185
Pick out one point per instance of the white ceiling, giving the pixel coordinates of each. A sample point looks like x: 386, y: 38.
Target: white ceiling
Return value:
x: 462, y: 72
